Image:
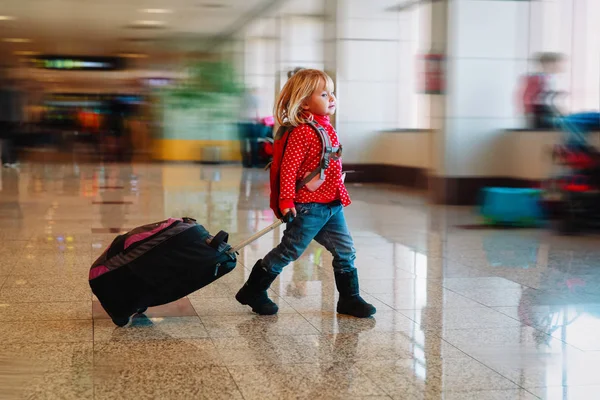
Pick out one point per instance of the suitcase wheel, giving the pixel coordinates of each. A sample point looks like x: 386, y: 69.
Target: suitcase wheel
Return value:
x: 120, y: 322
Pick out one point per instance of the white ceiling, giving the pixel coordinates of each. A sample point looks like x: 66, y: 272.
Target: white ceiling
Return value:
x: 102, y: 27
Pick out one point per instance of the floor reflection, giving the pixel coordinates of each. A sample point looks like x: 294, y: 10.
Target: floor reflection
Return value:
x: 462, y: 313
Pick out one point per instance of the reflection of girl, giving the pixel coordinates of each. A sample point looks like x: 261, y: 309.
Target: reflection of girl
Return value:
x: 10, y: 207
x: 304, y: 269
x: 112, y: 215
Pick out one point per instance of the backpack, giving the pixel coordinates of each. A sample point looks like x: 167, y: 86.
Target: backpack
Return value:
x: 328, y: 153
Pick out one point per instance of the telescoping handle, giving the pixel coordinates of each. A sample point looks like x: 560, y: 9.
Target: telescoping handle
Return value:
x: 286, y: 219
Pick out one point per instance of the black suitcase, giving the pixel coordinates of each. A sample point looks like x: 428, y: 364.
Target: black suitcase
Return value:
x: 159, y: 263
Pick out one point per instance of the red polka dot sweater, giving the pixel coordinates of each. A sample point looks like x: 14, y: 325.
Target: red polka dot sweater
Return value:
x: 302, y: 155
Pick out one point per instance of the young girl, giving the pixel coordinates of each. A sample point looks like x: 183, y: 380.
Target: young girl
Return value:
x: 308, y: 96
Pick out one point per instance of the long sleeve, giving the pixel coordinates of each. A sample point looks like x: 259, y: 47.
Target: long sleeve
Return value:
x: 295, y: 153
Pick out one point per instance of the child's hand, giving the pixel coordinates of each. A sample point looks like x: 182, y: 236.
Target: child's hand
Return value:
x: 288, y: 210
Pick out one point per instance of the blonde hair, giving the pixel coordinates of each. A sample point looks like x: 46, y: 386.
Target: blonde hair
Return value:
x: 288, y: 107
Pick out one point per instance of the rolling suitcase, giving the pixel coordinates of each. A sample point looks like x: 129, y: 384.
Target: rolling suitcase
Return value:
x: 159, y: 263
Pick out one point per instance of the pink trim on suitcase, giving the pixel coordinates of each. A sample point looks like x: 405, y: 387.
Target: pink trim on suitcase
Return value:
x: 97, y: 271
x: 143, y: 235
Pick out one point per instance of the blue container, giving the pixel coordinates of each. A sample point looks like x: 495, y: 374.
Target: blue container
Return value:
x: 511, y: 206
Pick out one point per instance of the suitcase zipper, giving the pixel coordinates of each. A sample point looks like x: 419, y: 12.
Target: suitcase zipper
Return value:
x: 133, y: 246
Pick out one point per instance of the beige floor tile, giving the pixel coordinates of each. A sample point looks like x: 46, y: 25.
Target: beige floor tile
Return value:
x: 320, y: 303
x: 387, y: 346
x: 171, y: 353
x: 6, y: 267
x: 514, y: 394
x: 25, y: 357
x: 460, y: 318
x: 158, y: 382
x: 76, y: 281
x: 433, y: 376
x: 419, y: 299
x: 304, y: 381
x: 56, y: 293
x: 256, y: 325
x: 45, y: 311
x: 505, y: 342
x: 67, y: 385
x: 46, y: 331
x: 382, y: 321
x: 142, y: 328
x: 500, y: 297
x: 567, y: 392
x: 433, y: 337
x: 283, y: 349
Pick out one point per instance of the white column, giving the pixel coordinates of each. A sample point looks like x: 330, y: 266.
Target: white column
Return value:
x: 261, y: 59
x: 487, y: 54
x: 363, y: 44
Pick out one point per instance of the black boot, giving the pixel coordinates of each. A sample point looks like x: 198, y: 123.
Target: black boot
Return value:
x: 254, y: 291
x: 350, y: 302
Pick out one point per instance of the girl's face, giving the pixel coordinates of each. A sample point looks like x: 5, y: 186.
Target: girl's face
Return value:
x: 321, y: 101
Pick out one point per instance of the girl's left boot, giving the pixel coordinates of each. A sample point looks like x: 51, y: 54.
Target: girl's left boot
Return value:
x: 350, y: 302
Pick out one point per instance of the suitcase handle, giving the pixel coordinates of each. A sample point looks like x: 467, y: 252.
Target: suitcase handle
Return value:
x: 219, y: 242
x: 286, y: 219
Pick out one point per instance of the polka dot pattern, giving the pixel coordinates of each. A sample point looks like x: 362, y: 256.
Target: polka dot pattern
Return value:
x: 303, y: 155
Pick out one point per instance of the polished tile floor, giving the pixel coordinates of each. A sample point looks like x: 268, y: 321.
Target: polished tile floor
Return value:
x: 463, y: 313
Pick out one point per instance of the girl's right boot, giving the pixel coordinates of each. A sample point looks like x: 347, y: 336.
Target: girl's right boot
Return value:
x: 254, y: 291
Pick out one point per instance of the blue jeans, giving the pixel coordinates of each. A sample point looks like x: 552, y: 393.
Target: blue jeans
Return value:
x: 325, y: 223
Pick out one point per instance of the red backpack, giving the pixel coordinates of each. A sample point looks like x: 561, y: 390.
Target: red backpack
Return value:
x: 328, y: 153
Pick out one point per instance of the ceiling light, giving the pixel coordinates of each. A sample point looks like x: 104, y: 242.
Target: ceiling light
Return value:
x: 26, y: 53
x: 16, y: 40
x: 157, y: 11
x: 133, y: 55
x: 212, y: 6
x: 6, y: 18
x: 149, y: 23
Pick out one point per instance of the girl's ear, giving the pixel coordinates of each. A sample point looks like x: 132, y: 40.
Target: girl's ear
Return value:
x: 305, y: 106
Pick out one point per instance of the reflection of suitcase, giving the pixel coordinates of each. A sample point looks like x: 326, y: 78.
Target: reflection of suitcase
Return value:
x: 159, y: 263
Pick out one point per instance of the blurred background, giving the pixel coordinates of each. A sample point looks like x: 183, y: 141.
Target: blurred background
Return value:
x: 429, y: 91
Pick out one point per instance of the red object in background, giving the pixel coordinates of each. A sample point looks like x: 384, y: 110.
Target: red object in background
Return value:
x: 434, y: 66
x: 533, y: 85
x: 577, y: 188
x: 577, y: 183
x: 268, y: 121
x: 575, y: 158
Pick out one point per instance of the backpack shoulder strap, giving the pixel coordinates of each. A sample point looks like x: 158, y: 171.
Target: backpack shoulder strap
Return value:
x: 282, y: 130
x: 328, y: 153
